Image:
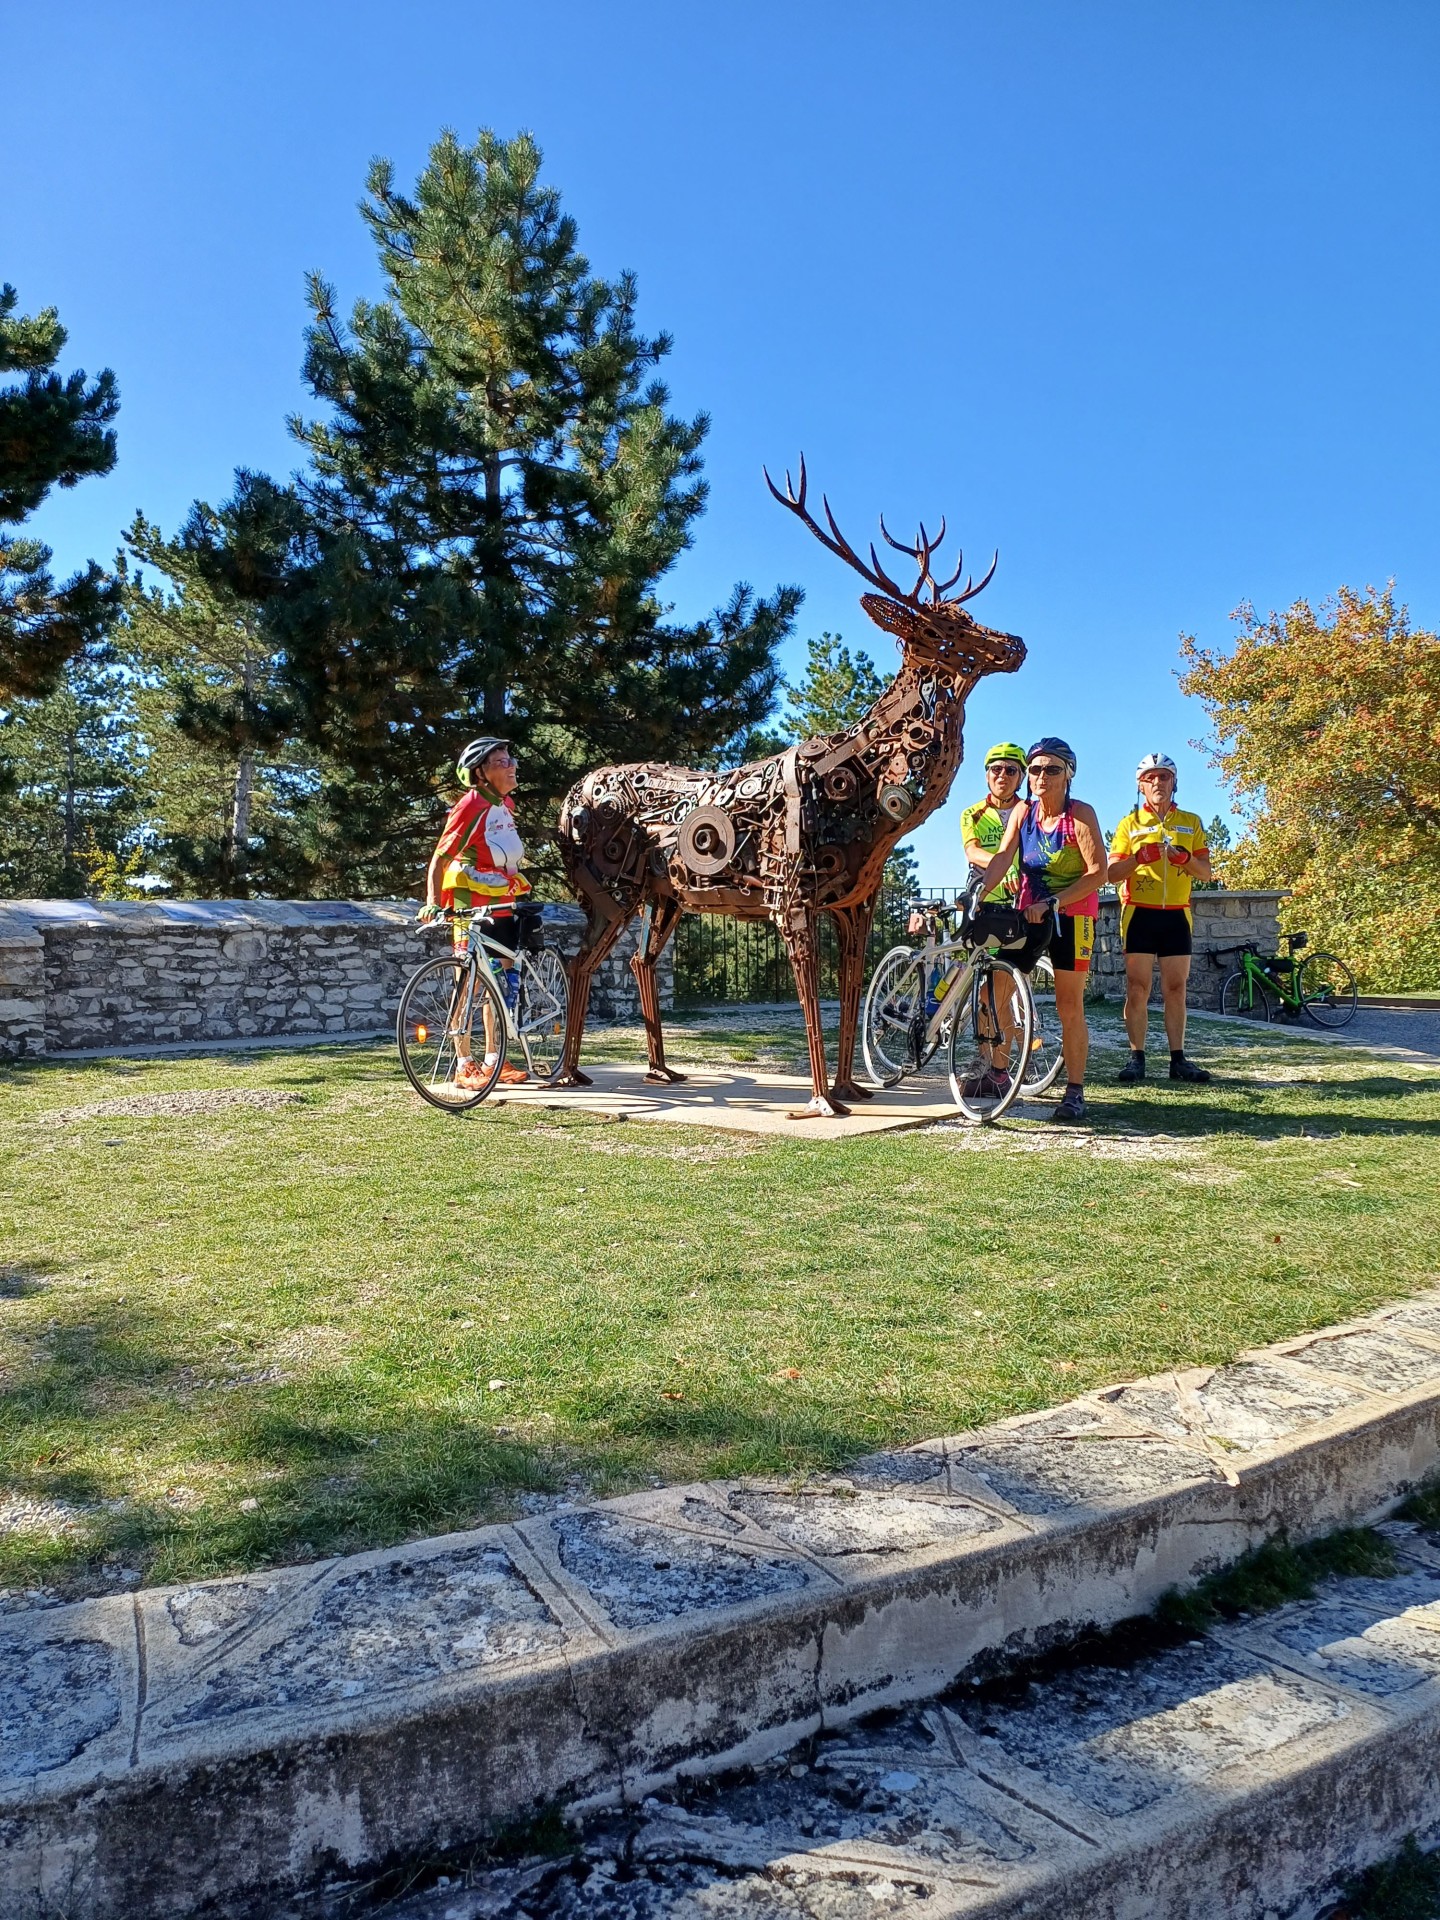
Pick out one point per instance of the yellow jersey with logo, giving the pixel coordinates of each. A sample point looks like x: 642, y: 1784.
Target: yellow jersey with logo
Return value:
x: 985, y: 823
x: 1159, y: 883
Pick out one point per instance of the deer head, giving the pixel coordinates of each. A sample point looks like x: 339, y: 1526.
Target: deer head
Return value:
x: 937, y: 631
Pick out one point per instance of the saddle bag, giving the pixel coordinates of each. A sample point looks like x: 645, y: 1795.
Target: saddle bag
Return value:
x: 1006, y: 927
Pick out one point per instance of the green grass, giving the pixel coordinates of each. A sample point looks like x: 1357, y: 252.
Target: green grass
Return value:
x: 254, y: 1334
x: 1275, y: 1574
x: 1404, y: 1888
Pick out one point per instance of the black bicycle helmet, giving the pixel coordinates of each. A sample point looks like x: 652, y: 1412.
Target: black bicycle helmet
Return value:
x: 1052, y: 743
x: 473, y: 757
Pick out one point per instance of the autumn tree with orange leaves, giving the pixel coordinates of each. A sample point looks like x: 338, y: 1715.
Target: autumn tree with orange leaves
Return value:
x: 1327, y: 730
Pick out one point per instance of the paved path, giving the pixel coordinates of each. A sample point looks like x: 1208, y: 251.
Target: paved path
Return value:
x: 1415, y: 1030
x: 1402, y: 1033
x: 739, y: 1099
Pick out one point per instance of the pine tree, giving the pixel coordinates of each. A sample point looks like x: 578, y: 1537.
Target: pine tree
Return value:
x: 838, y: 688
x: 53, y: 431
x: 70, y: 784
x: 228, y: 798
x: 495, y: 492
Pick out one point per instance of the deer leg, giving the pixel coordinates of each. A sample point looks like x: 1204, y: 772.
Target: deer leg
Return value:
x: 804, y: 962
x: 852, y: 924
x: 659, y: 921
x: 596, y: 944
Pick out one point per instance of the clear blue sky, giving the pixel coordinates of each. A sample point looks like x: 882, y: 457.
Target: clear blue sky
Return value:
x: 1144, y: 295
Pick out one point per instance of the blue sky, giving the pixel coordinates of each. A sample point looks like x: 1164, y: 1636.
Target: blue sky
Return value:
x: 1142, y: 294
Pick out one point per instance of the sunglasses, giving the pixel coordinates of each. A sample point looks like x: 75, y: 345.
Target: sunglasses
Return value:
x: 1038, y: 769
x: 1005, y: 766
x: 1156, y: 773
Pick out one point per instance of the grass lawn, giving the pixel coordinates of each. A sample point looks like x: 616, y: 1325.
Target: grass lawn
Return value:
x: 270, y: 1306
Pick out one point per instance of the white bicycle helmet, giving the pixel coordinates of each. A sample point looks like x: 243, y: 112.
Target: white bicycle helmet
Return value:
x: 1157, y: 763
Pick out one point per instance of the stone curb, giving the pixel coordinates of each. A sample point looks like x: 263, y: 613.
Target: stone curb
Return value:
x: 1239, y: 1774
x: 212, y: 1746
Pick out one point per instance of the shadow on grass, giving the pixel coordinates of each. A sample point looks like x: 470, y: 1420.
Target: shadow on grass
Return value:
x: 1342, y: 1108
x: 292, y: 1471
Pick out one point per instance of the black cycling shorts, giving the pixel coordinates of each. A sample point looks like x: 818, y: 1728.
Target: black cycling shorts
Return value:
x: 1068, y: 938
x: 1158, y: 930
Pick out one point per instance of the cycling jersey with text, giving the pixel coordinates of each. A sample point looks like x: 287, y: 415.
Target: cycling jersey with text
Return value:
x: 1158, y: 883
x: 985, y: 824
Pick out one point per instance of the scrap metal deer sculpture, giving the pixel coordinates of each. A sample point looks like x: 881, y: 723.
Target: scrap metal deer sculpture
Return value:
x: 786, y: 839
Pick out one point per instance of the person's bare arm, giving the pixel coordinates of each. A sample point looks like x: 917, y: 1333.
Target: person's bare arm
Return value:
x: 1000, y: 861
x: 1090, y: 841
x: 432, y: 880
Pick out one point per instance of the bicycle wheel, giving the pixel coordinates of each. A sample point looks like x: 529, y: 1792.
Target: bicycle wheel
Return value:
x: 990, y: 1035
x: 1241, y: 995
x: 1327, y: 991
x: 1045, y: 1059
x: 540, y: 1014
x: 442, y: 1005
x: 894, y: 1003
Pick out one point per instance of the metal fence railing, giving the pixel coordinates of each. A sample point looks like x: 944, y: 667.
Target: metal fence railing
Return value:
x: 719, y: 959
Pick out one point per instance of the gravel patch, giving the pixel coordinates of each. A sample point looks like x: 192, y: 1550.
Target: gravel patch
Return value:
x: 172, y: 1106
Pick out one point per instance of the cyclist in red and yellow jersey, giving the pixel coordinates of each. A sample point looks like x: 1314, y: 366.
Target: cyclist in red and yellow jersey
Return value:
x: 1158, y: 852
x: 475, y: 868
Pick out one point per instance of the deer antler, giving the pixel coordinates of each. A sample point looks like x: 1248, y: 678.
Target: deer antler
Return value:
x: 874, y: 573
x: 921, y: 553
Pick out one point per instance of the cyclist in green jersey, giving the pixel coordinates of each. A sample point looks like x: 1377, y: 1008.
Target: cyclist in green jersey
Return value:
x: 983, y: 826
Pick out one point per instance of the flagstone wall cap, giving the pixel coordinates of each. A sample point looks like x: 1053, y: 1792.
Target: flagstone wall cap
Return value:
x: 151, y: 915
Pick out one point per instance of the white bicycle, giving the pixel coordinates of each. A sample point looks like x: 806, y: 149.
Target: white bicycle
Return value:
x: 958, y: 992
x: 520, y: 998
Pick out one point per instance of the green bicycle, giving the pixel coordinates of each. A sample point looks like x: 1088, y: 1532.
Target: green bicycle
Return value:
x: 1267, y: 986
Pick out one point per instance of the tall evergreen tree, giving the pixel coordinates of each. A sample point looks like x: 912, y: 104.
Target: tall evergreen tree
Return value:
x: 495, y: 493
x: 54, y: 430
x: 70, y: 783
x: 228, y: 797
x: 838, y: 688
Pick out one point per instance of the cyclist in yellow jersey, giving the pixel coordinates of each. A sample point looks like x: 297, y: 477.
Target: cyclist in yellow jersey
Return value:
x: 982, y: 826
x: 1158, y: 852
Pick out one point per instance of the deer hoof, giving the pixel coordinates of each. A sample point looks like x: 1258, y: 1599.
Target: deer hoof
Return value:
x: 664, y: 1077
x: 822, y: 1107
x: 572, y: 1079
x: 848, y: 1090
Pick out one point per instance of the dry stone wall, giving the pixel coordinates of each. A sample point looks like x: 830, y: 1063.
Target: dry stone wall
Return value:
x: 77, y: 974
x: 1223, y: 921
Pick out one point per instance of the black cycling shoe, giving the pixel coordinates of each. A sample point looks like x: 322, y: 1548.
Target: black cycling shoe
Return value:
x: 1133, y: 1069
x: 1183, y: 1069
x: 1072, y: 1105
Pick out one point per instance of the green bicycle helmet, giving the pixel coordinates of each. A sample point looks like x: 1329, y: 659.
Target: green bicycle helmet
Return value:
x: 1006, y: 750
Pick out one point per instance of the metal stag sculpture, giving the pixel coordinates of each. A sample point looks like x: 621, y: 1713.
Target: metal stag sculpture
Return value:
x: 786, y: 839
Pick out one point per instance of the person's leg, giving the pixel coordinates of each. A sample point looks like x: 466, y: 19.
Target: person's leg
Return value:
x: 1070, y: 957
x: 1174, y: 976
x: 1139, y: 976
x: 1174, y: 973
x: 1139, y: 973
x: 1074, y: 1032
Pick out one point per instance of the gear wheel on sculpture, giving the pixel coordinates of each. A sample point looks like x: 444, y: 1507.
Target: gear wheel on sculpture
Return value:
x: 707, y: 841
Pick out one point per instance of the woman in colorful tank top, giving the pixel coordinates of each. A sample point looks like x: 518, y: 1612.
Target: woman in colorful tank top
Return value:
x: 1062, y: 865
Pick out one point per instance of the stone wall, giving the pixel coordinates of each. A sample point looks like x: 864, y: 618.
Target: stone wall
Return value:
x: 76, y: 974
x: 1222, y: 920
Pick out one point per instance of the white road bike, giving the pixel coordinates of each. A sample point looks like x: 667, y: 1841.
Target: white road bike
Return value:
x: 443, y: 1013
x: 958, y: 992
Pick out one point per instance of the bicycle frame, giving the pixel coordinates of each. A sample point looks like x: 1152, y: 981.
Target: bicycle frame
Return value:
x: 1273, y: 974
x: 479, y: 946
x: 953, y: 986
